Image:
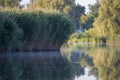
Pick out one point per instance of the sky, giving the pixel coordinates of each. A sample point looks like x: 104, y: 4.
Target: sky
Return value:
x: 85, y: 3
x: 81, y: 2
x: 25, y: 1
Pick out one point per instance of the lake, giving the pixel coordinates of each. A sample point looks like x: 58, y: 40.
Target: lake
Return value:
x: 73, y: 62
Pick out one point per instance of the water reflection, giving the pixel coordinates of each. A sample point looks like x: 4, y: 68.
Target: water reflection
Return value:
x: 78, y: 62
x: 102, y: 60
x: 35, y: 66
x: 85, y: 76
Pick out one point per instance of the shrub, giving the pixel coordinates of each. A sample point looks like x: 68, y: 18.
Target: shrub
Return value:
x: 40, y: 30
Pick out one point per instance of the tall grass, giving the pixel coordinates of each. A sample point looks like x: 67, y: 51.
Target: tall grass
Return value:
x: 33, y: 30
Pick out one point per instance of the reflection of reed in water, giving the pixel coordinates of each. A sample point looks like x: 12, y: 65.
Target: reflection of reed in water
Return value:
x: 35, y: 66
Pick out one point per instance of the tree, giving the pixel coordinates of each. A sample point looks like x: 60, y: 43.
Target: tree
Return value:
x: 86, y: 21
x: 108, y: 22
x: 60, y: 5
x: 77, y: 12
x: 67, y: 7
x: 94, y: 8
x: 9, y: 3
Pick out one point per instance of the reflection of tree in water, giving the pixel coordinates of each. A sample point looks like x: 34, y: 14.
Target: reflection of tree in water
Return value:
x: 103, y: 60
x: 106, y: 62
x: 75, y: 58
x: 35, y: 68
x: 79, y: 60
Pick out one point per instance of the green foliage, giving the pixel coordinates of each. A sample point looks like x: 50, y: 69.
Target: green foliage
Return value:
x: 60, y: 5
x: 9, y: 3
x: 67, y: 7
x: 38, y: 29
x: 82, y: 38
x: 106, y: 27
x: 108, y: 22
x: 94, y: 8
x: 76, y: 13
x: 9, y: 32
x: 86, y: 21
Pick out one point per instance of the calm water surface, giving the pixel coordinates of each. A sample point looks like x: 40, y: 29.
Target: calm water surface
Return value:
x: 74, y: 62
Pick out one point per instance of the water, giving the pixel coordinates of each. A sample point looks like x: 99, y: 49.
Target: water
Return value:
x: 35, y: 66
x: 86, y: 75
x: 100, y: 62
x: 74, y: 62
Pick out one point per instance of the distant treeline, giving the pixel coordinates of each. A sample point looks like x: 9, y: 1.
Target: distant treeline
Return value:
x: 33, y: 30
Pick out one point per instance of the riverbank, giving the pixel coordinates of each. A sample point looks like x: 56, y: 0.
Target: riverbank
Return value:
x: 85, y: 38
